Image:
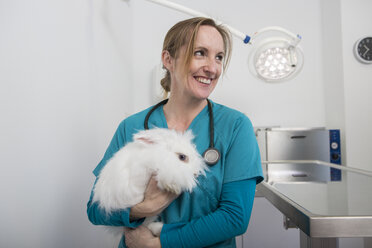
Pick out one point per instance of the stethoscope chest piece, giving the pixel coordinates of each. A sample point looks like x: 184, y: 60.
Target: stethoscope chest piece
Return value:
x: 211, y: 156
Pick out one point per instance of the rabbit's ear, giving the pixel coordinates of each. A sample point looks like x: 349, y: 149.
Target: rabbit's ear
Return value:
x: 144, y: 137
x: 145, y: 140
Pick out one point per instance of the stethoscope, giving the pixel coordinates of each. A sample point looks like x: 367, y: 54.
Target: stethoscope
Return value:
x: 211, y: 155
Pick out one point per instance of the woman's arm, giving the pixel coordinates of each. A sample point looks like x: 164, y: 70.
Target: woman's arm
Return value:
x: 99, y: 216
x: 155, y: 202
x: 229, y: 220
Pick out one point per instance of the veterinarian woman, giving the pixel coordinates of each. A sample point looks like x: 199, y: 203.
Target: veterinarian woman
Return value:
x: 195, y: 52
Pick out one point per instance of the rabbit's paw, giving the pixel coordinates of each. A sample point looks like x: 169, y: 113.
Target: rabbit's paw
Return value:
x: 155, y: 228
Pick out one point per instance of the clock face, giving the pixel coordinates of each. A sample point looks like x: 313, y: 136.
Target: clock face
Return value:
x: 363, y: 50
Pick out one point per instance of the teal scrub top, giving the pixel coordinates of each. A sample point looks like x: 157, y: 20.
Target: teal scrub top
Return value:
x: 234, y: 137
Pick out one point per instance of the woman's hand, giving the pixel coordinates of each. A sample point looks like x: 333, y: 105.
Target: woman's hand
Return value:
x: 141, y: 237
x: 155, y: 201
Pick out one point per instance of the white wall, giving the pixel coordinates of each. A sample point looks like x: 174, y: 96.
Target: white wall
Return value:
x: 65, y: 83
x: 356, y: 23
x: 70, y: 71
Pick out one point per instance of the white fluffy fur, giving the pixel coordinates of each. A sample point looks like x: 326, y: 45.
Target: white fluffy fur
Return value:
x: 123, y: 180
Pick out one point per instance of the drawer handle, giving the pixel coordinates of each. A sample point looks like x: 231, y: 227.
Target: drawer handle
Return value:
x: 298, y: 137
x: 299, y: 175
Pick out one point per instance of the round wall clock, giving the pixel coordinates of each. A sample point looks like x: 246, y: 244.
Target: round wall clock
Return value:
x: 363, y: 50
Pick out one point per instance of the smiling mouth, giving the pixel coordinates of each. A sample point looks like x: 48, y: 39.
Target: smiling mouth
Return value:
x: 203, y: 80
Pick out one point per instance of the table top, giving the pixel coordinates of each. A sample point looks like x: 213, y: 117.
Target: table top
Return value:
x: 326, y: 209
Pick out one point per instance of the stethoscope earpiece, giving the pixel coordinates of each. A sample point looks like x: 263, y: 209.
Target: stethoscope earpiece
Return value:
x: 211, y: 155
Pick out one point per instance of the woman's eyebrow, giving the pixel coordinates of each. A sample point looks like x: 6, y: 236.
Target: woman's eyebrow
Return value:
x: 201, y: 48
x: 206, y: 49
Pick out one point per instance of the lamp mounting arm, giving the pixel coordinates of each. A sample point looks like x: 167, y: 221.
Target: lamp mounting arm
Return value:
x: 295, y: 39
x: 192, y: 12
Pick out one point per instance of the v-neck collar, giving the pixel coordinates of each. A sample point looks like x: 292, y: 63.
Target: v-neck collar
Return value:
x: 202, y: 113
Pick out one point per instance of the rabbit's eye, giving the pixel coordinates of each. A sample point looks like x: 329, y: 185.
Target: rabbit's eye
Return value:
x: 182, y: 157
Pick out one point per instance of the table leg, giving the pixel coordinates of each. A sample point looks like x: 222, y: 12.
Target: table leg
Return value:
x: 308, y: 242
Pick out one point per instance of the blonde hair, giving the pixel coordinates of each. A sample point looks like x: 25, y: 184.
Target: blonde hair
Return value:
x: 185, y: 33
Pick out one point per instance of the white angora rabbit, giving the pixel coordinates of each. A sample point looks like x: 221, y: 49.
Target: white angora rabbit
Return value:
x: 167, y: 154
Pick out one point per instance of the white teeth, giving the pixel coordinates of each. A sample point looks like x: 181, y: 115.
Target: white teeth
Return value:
x: 204, y: 80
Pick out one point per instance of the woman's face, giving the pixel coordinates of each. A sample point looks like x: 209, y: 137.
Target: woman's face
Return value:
x: 205, y: 66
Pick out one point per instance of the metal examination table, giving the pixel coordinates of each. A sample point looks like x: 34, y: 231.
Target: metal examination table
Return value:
x: 324, y: 211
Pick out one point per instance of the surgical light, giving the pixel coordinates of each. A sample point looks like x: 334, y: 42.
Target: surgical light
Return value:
x: 272, y: 59
x: 276, y: 55
x: 273, y: 63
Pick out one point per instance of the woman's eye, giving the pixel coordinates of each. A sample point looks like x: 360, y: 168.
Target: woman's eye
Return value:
x: 219, y: 57
x: 199, y: 53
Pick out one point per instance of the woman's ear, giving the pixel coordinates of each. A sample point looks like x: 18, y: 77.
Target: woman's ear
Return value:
x: 167, y: 60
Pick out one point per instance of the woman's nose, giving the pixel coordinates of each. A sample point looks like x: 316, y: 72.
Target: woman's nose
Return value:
x: 211, y: 66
